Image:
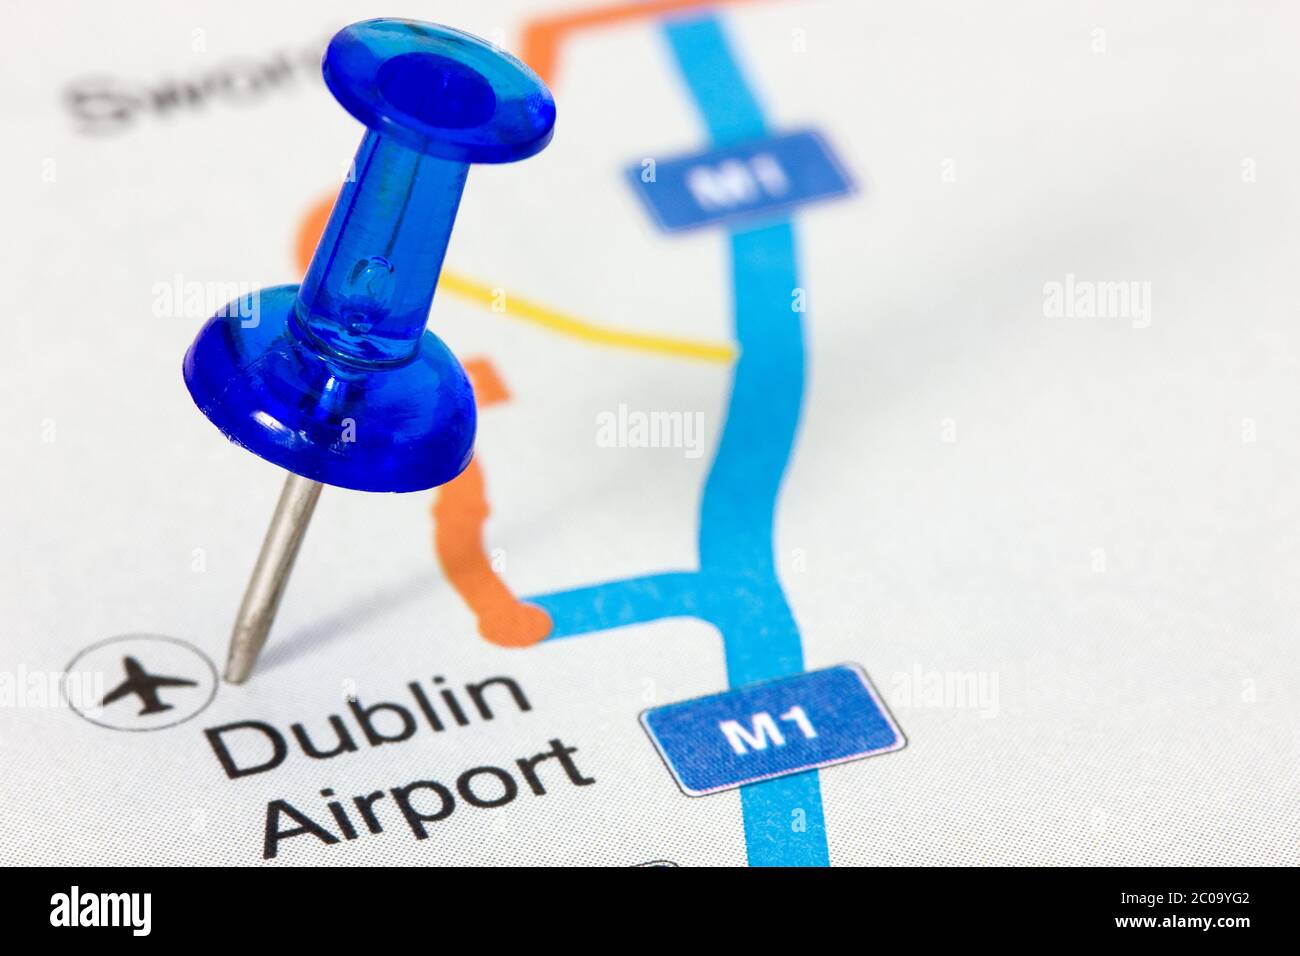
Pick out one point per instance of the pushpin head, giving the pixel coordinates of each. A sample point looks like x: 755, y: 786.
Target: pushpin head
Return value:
x: 439, y: 91
x: 338, y: 380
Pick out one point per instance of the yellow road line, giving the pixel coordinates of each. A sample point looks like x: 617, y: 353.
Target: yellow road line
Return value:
x: 549, y: 318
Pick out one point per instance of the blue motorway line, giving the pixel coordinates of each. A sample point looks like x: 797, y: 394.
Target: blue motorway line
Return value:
x: 736, y: 587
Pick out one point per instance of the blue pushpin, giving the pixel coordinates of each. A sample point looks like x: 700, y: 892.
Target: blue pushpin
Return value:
x: 337, y: 380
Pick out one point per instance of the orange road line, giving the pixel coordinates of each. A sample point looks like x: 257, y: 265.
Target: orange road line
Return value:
x: 460, y: 510
x: 540, y: 45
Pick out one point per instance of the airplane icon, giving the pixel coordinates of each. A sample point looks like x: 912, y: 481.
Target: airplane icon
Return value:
x: 145, y: 686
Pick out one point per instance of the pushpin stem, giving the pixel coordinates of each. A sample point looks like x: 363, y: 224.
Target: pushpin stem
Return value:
x: 369, y: 287
x: 271, y: 574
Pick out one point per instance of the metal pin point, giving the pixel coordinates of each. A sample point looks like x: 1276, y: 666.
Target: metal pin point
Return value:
x: 271, y: 574
x: 338, y: 380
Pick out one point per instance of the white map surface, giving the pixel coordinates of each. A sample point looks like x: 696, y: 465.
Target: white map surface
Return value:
x: 1063, y: 545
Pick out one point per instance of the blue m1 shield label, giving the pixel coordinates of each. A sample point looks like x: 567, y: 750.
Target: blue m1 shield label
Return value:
x: 772, y: 729
x: 760, y: 177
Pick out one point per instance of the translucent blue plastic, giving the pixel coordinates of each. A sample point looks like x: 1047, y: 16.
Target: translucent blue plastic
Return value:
x: 338, y: 379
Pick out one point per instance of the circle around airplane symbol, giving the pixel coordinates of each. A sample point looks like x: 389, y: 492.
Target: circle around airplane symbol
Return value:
x: 139, y: 682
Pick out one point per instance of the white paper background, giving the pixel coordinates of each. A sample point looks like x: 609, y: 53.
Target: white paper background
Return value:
x: 1145, y: 714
